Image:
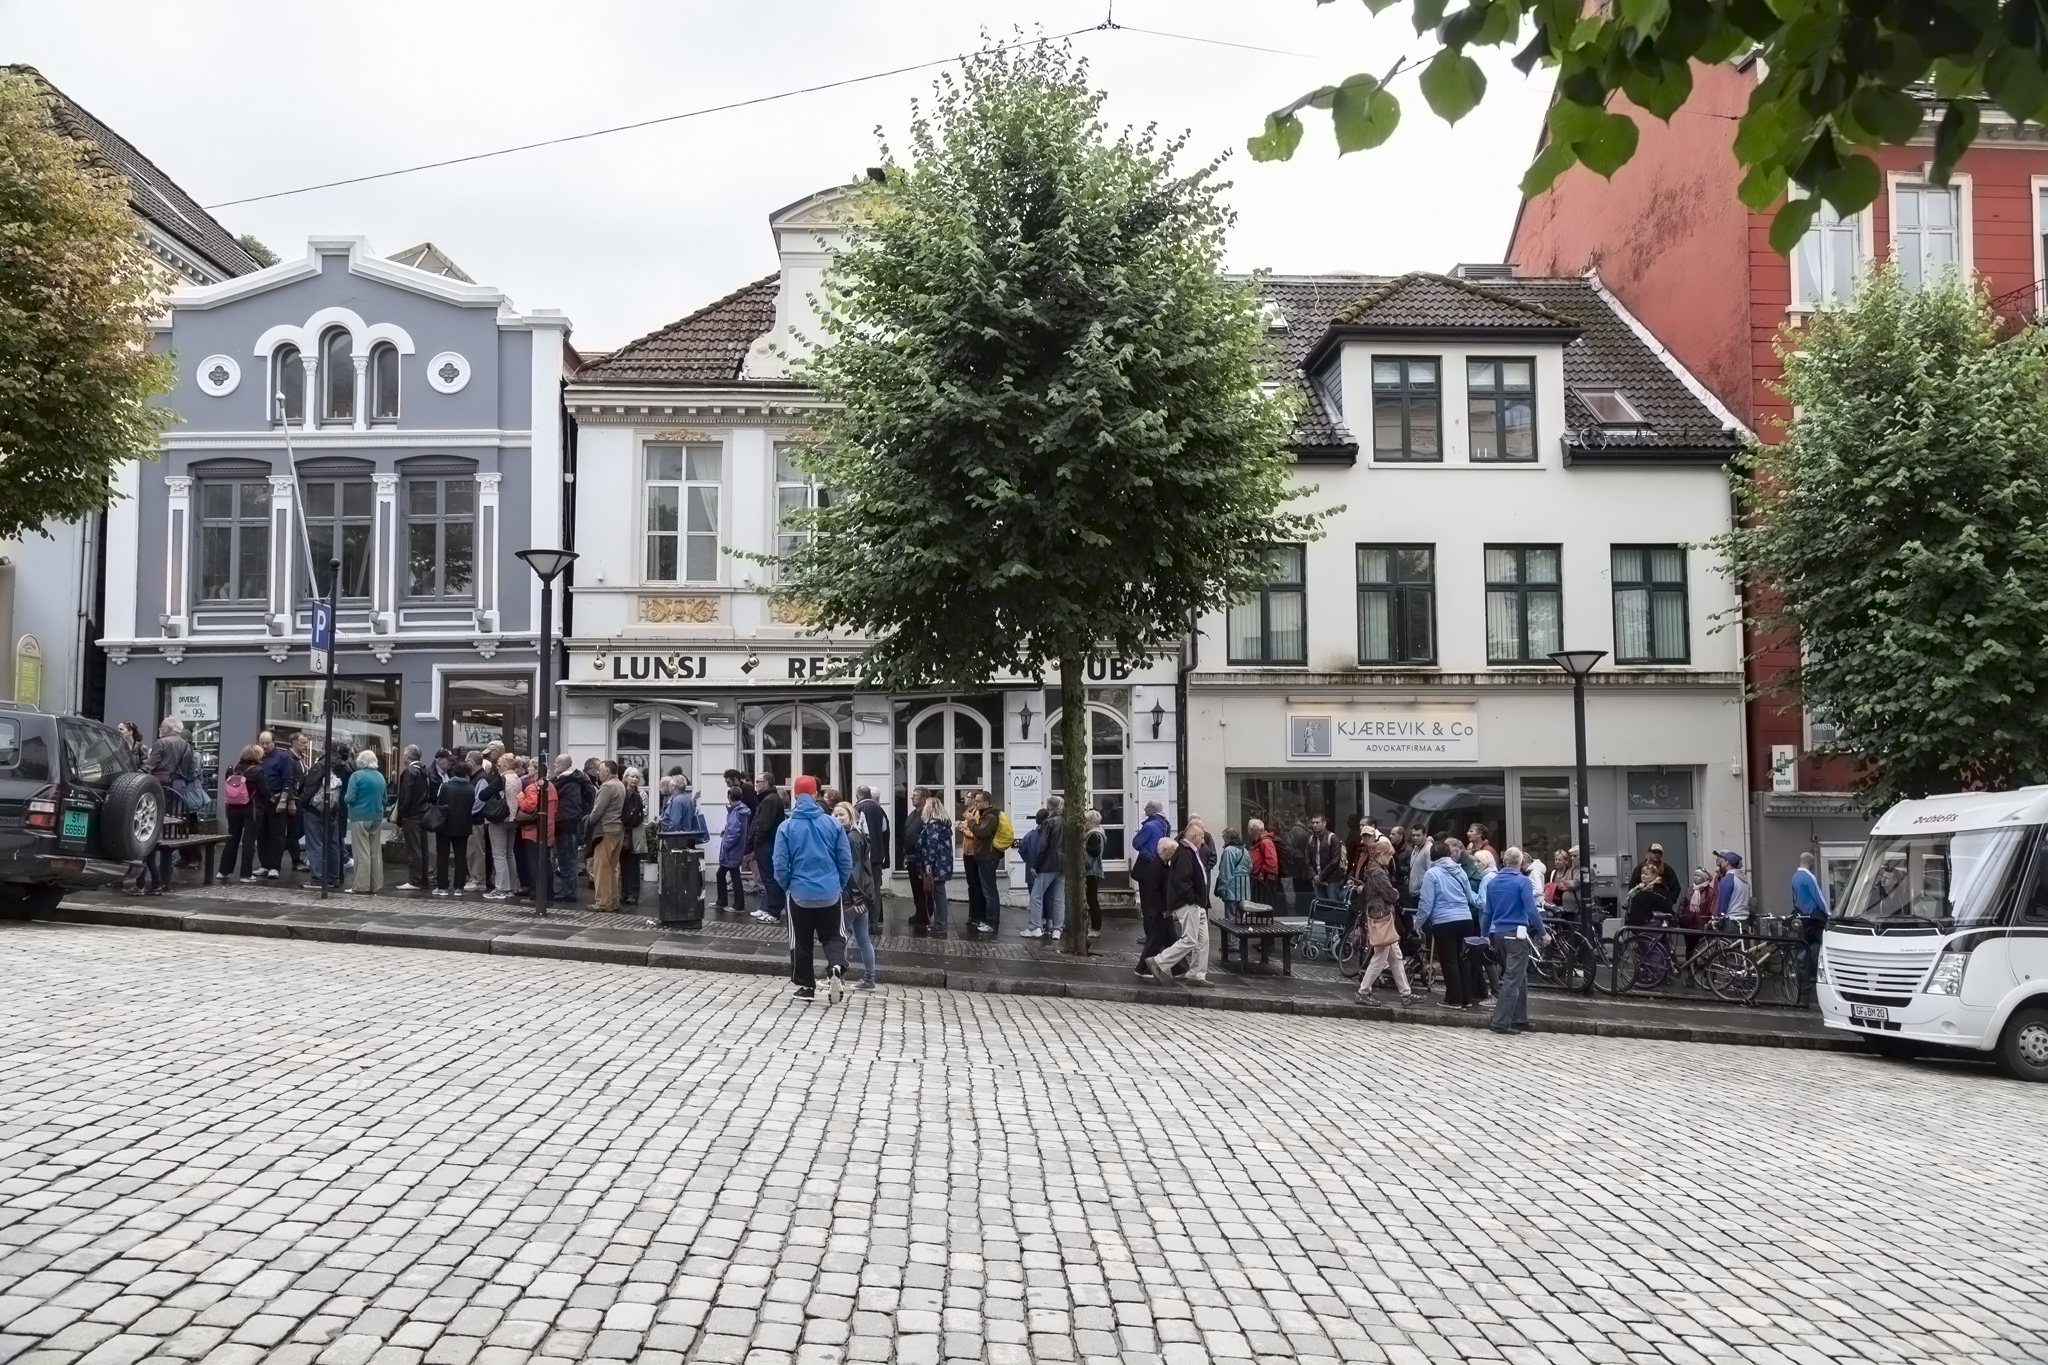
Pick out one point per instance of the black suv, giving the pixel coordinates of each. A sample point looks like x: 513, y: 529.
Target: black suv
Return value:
x: 74, y: 812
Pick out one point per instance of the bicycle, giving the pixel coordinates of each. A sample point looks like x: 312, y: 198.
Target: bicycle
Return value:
x: 1740, y: 968
x: 1567, y: 959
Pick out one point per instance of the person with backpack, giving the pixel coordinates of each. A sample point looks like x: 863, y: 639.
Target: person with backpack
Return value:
x: 496, y: 792
x: 633, y: 828
x: 1379, y: 927
x: 575, y: 794
x: 456, y: 800
x: 319, y: 801
x: 813, y: 861
x: 1233, y: 875
x: 733, y: 845
x: 246, y: 797
x: 1094, y: 844
x: 531, y: 847
x: 606, y: 828
x: 933, y: 863
x: 978, y: 846
x: 875, y: 823
x: 1047, y: 913
x: 863, y: 891
x: 417, y: 785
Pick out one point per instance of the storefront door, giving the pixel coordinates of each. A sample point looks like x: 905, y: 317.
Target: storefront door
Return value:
x: 1109, y: 781
x: 659, y: 741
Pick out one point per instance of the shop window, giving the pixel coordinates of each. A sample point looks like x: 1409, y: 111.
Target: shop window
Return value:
x: 1650, y: 625
x: 1108, y: 773
x: 1271, y: 626
x: 479, y: 711
x: 440, y: 529
x: 1545, y: 820
x: 365, y: 713
x: 1447, y: 803
x: 658, y: 740
x: 787, y: 740
x: 1524, y: 604
x: 337, y: 378
x: 234, y: 541
x: 338, y: 526
x: 1286, y: 802
x: 682, y: 513
x: 1407, y: 408
x: 1396, y: 604
x: 196, y: 703
x: 1500, y: 398
x: 1659, y: 790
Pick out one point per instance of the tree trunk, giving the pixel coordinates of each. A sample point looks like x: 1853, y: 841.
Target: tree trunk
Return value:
x: 1074, y: 756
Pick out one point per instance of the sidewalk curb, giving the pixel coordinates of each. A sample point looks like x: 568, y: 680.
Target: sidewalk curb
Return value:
x: 521, y: 942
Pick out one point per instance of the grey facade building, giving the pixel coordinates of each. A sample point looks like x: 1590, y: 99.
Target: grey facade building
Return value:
x: 420, y: 442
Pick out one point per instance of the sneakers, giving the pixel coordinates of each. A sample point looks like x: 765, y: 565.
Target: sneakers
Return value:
x: 1030, y: 931
x: 270, y: 873
x: 1362, y: 998
x: 407, y: 886
x: 835, y: 985
x: 441, y: 892
x: 806, y: 992
x: 1163, y: 972
x: 762, y: 915
x: 864, y: 986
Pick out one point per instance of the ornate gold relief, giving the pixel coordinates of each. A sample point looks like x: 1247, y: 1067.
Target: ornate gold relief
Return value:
x: 687, y: 611
x: 786, y: 613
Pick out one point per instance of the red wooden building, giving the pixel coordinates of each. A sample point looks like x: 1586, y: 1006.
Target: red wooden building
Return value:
x: 1669, y: 237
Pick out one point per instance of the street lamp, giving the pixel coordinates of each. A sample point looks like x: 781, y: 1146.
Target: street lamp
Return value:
x: 1577, y: 663
x: 547, y: 565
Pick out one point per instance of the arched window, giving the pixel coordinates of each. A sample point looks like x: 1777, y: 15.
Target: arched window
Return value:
x: 288, y: 376
x: 658, y: 740
x: 787, y: 740
x: 1108, y: 772
x: 384, y: 382
x: 337, y: 377
x: 953, y: 750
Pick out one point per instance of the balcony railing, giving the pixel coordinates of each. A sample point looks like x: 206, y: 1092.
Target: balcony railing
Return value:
x: 2020, y: 308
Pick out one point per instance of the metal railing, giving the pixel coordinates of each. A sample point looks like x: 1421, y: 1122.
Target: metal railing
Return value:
x: 2021, y: 308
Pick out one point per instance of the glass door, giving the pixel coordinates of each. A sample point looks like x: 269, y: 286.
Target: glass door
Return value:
x: 659, y: 741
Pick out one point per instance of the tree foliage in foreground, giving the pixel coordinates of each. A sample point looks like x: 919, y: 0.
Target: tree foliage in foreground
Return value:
x: 1048, y: 434
x: 1836, y: 76
x: 1902, y: 529
x: 77, y: 291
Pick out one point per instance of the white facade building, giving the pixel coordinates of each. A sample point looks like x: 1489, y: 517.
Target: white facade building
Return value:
x: 1521, y: 469
x: 678, y: 660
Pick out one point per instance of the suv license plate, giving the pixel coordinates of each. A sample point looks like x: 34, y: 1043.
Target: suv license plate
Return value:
x: 1876, y: 1013
x: 75, y: 824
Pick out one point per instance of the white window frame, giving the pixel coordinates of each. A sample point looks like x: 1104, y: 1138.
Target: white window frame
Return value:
x: 2037, y: 187
x: 1960, y: 185
x: 682, y: 531
x: 777, y: 483
x: 1865, y: 221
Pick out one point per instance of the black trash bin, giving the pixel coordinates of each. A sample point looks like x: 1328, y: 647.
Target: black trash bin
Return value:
x: 682, y: 881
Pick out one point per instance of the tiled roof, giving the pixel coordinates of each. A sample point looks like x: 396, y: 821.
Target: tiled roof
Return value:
x: 1424, y: 301
x: 153, y: 195
x: 707, y: 347
x: 430, y: 258
x: 1606, y: 353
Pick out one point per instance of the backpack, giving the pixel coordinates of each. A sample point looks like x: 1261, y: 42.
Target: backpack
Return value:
x: 1005, y: 833
x: 328, y: 795
x: 234, y: 790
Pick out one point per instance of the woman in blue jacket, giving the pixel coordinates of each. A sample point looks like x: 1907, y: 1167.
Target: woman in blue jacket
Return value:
x: 732, y: 845
x: 1447, y: 914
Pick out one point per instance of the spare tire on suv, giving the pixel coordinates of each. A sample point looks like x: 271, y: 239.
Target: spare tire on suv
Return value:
x: 132, y: 818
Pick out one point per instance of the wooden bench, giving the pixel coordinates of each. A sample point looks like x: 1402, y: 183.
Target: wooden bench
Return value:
x: 206, y: 843
x: 1281, y: 929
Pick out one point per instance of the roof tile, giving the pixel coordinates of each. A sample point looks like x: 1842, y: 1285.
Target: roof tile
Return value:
x: 707, y: 347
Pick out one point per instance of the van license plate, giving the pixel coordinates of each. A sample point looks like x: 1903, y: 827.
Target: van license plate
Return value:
x: 1875, y: 1013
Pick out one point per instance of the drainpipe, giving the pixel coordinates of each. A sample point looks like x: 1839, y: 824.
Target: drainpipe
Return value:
x: 1190, y: 659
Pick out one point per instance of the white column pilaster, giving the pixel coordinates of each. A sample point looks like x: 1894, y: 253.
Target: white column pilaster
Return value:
x: 284, y: 551
x: 487, y: 553
x: 384, y: 556
x: 362, y: 392
x: 309, y: 410
x: 177, y: 557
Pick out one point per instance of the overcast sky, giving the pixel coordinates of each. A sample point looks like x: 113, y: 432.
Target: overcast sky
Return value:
x: 629, y: 231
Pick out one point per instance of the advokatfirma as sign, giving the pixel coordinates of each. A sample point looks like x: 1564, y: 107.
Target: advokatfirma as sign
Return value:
x: 1384, y: 734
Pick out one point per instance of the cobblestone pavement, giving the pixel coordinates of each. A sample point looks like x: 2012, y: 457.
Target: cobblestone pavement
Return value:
x: 235, y: 1150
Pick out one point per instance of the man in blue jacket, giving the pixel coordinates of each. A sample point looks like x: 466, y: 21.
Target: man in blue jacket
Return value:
x: 813, y: 860
x: 1516, y: 924
x: 1445, y: 917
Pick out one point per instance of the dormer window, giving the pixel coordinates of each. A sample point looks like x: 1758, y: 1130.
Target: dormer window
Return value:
x: 288, y: 377
x: 1610, y: 408
x: 384, y: 382
x: 1329, y: 382
x: 1501, y: 402
x: 337, y: 377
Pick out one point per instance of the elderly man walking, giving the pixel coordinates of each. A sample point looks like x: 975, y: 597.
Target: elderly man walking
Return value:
x: 1516, y: 925
x: 1187, y: 897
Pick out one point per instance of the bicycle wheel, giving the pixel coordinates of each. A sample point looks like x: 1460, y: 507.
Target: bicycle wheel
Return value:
x: 1656, y: 968
x: 1350, y: 961
x: 1573, y: 961
x: 1730, y: 974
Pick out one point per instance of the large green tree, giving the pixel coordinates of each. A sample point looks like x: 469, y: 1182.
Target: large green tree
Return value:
x: 1901, y: 528
x: 77, y: 291
x: 1049, y: 435
x: 1835, y: 76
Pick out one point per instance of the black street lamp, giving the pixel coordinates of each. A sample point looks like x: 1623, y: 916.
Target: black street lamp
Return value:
x: 547, y: 565
x: 1577, y: 663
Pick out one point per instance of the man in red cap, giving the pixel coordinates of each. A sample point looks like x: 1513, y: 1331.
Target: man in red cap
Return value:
x: 813, y: 860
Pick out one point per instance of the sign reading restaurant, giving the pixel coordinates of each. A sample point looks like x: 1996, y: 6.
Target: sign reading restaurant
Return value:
x: 603, y: 667
x: 1384, y: 734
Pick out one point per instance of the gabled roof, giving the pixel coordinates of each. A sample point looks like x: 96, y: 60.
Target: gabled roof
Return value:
x: 155, y: 197
x: 430, y: 258
x: 1423, y: 302
x: 1604, y: 348
x: 707, y: 347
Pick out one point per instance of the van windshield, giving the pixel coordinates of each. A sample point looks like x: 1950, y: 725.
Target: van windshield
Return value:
x: 1935, y: 880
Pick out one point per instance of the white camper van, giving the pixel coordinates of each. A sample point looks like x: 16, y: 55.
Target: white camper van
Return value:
x: 1941, y: 939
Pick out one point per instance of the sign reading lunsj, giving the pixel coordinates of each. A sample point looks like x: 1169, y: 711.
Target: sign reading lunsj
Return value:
x: 1385, y: 734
